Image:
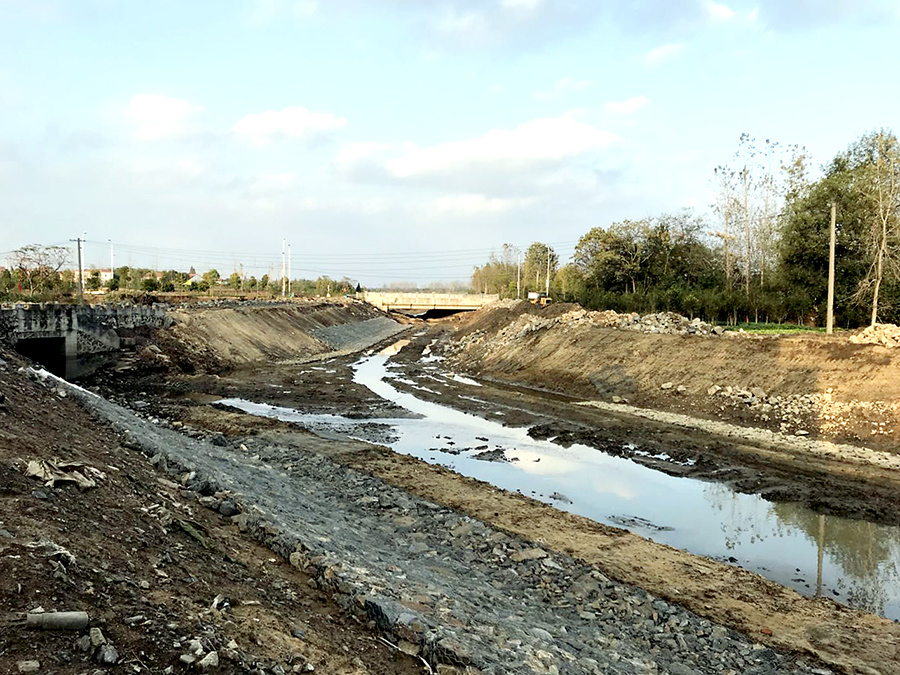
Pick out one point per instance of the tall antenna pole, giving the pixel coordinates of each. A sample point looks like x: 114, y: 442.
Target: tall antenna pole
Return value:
x: 112, y: 260
x: 282, y: 268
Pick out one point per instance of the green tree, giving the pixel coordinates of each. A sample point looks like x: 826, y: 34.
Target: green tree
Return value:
x: 540, y: 265
x: 498, y: 274
x: 880, y: 186
x: 211, y: 277
x: 324, y: 285
x: 92, y: 283
x: 803, y: 267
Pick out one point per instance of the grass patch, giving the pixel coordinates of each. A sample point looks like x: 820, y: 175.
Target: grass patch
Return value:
x: 775, y: 328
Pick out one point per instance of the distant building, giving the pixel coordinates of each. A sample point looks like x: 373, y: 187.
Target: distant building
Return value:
x: 106, y: 274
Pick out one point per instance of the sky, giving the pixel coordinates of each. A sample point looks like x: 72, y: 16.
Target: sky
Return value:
x: 405, y: 140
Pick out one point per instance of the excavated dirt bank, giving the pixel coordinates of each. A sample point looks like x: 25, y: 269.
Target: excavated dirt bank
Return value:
x: 221, y: 337
x: 821, y: 386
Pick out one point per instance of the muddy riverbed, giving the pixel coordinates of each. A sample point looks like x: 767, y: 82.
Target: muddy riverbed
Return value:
x: 853, y: 561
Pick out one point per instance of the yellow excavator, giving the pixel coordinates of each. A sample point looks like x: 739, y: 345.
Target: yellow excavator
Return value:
x: 541, y: 299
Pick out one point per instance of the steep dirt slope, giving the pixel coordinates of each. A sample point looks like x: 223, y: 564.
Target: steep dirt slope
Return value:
x: 218, y: 337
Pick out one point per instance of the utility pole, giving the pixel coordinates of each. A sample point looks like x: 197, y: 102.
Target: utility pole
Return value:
x: 81, y: 263
x: 80, y: 272
x: 518, y: 273
x: 112, y: 261
x: 283, y: 244
x: 548, y: 272
x: 290, y: 272
x: 829, y: 321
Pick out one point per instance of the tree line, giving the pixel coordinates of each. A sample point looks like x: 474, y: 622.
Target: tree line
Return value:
x: 760, y: 255
x: 39, y: 273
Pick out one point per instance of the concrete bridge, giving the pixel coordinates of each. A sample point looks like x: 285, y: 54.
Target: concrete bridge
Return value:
x: 70, y: 340
x: 422, y: 302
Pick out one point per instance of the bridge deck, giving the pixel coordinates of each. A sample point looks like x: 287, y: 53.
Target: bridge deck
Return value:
x: 426, y: 301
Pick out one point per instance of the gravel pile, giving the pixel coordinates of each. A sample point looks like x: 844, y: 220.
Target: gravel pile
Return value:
x: 442, y: 585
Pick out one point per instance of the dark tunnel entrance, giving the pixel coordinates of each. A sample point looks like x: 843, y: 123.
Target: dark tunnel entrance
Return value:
x: 50, y: 352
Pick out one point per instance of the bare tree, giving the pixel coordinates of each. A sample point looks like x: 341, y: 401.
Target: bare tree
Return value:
x: 725, y: 206
x: 880, y: 183
x: 39, y: 266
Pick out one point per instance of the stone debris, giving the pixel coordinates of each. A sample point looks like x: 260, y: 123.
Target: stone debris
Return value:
x: 475, y: 600
x: 668, y: 323
x: 97, y: 637
x: 795, y: 413
x: 884, y: 334
x: 107, y: 655
x: 208, y: 662
x: 663, y: 323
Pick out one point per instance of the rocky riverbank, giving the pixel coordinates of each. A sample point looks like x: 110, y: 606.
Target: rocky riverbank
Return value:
x: 442, y: 585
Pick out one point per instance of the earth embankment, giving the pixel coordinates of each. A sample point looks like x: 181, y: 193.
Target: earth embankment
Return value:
x: 233, y: 335
x: 824, y: 386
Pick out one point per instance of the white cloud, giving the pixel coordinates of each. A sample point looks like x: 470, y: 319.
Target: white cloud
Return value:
x: 354, y: 153
x: 473, y: 204
x: 533, y: 142
x: 293, y: 122
x: 274, y: 182
x: 563, y: 86
x: 628, y: 106
x: 718, y: 11
x: 662, y: 53
x: 158, y: 116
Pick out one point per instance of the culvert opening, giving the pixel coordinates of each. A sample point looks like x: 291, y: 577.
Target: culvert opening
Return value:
x: 50, y: 352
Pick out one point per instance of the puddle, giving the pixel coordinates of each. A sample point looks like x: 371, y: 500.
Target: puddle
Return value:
x: 464, y: 380
x: 859, y: 564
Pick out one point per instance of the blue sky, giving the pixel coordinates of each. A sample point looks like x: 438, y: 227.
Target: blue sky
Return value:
x: 393, y: 140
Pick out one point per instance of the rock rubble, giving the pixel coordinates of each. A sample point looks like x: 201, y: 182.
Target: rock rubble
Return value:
x: 463, y: 596
x: 884, y: 334
x: 667, y: 323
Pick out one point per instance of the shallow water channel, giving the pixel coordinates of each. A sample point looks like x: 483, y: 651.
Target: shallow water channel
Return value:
x: 853, y: 562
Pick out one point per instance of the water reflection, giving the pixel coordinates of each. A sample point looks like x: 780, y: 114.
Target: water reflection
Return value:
x: 851, y: 561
